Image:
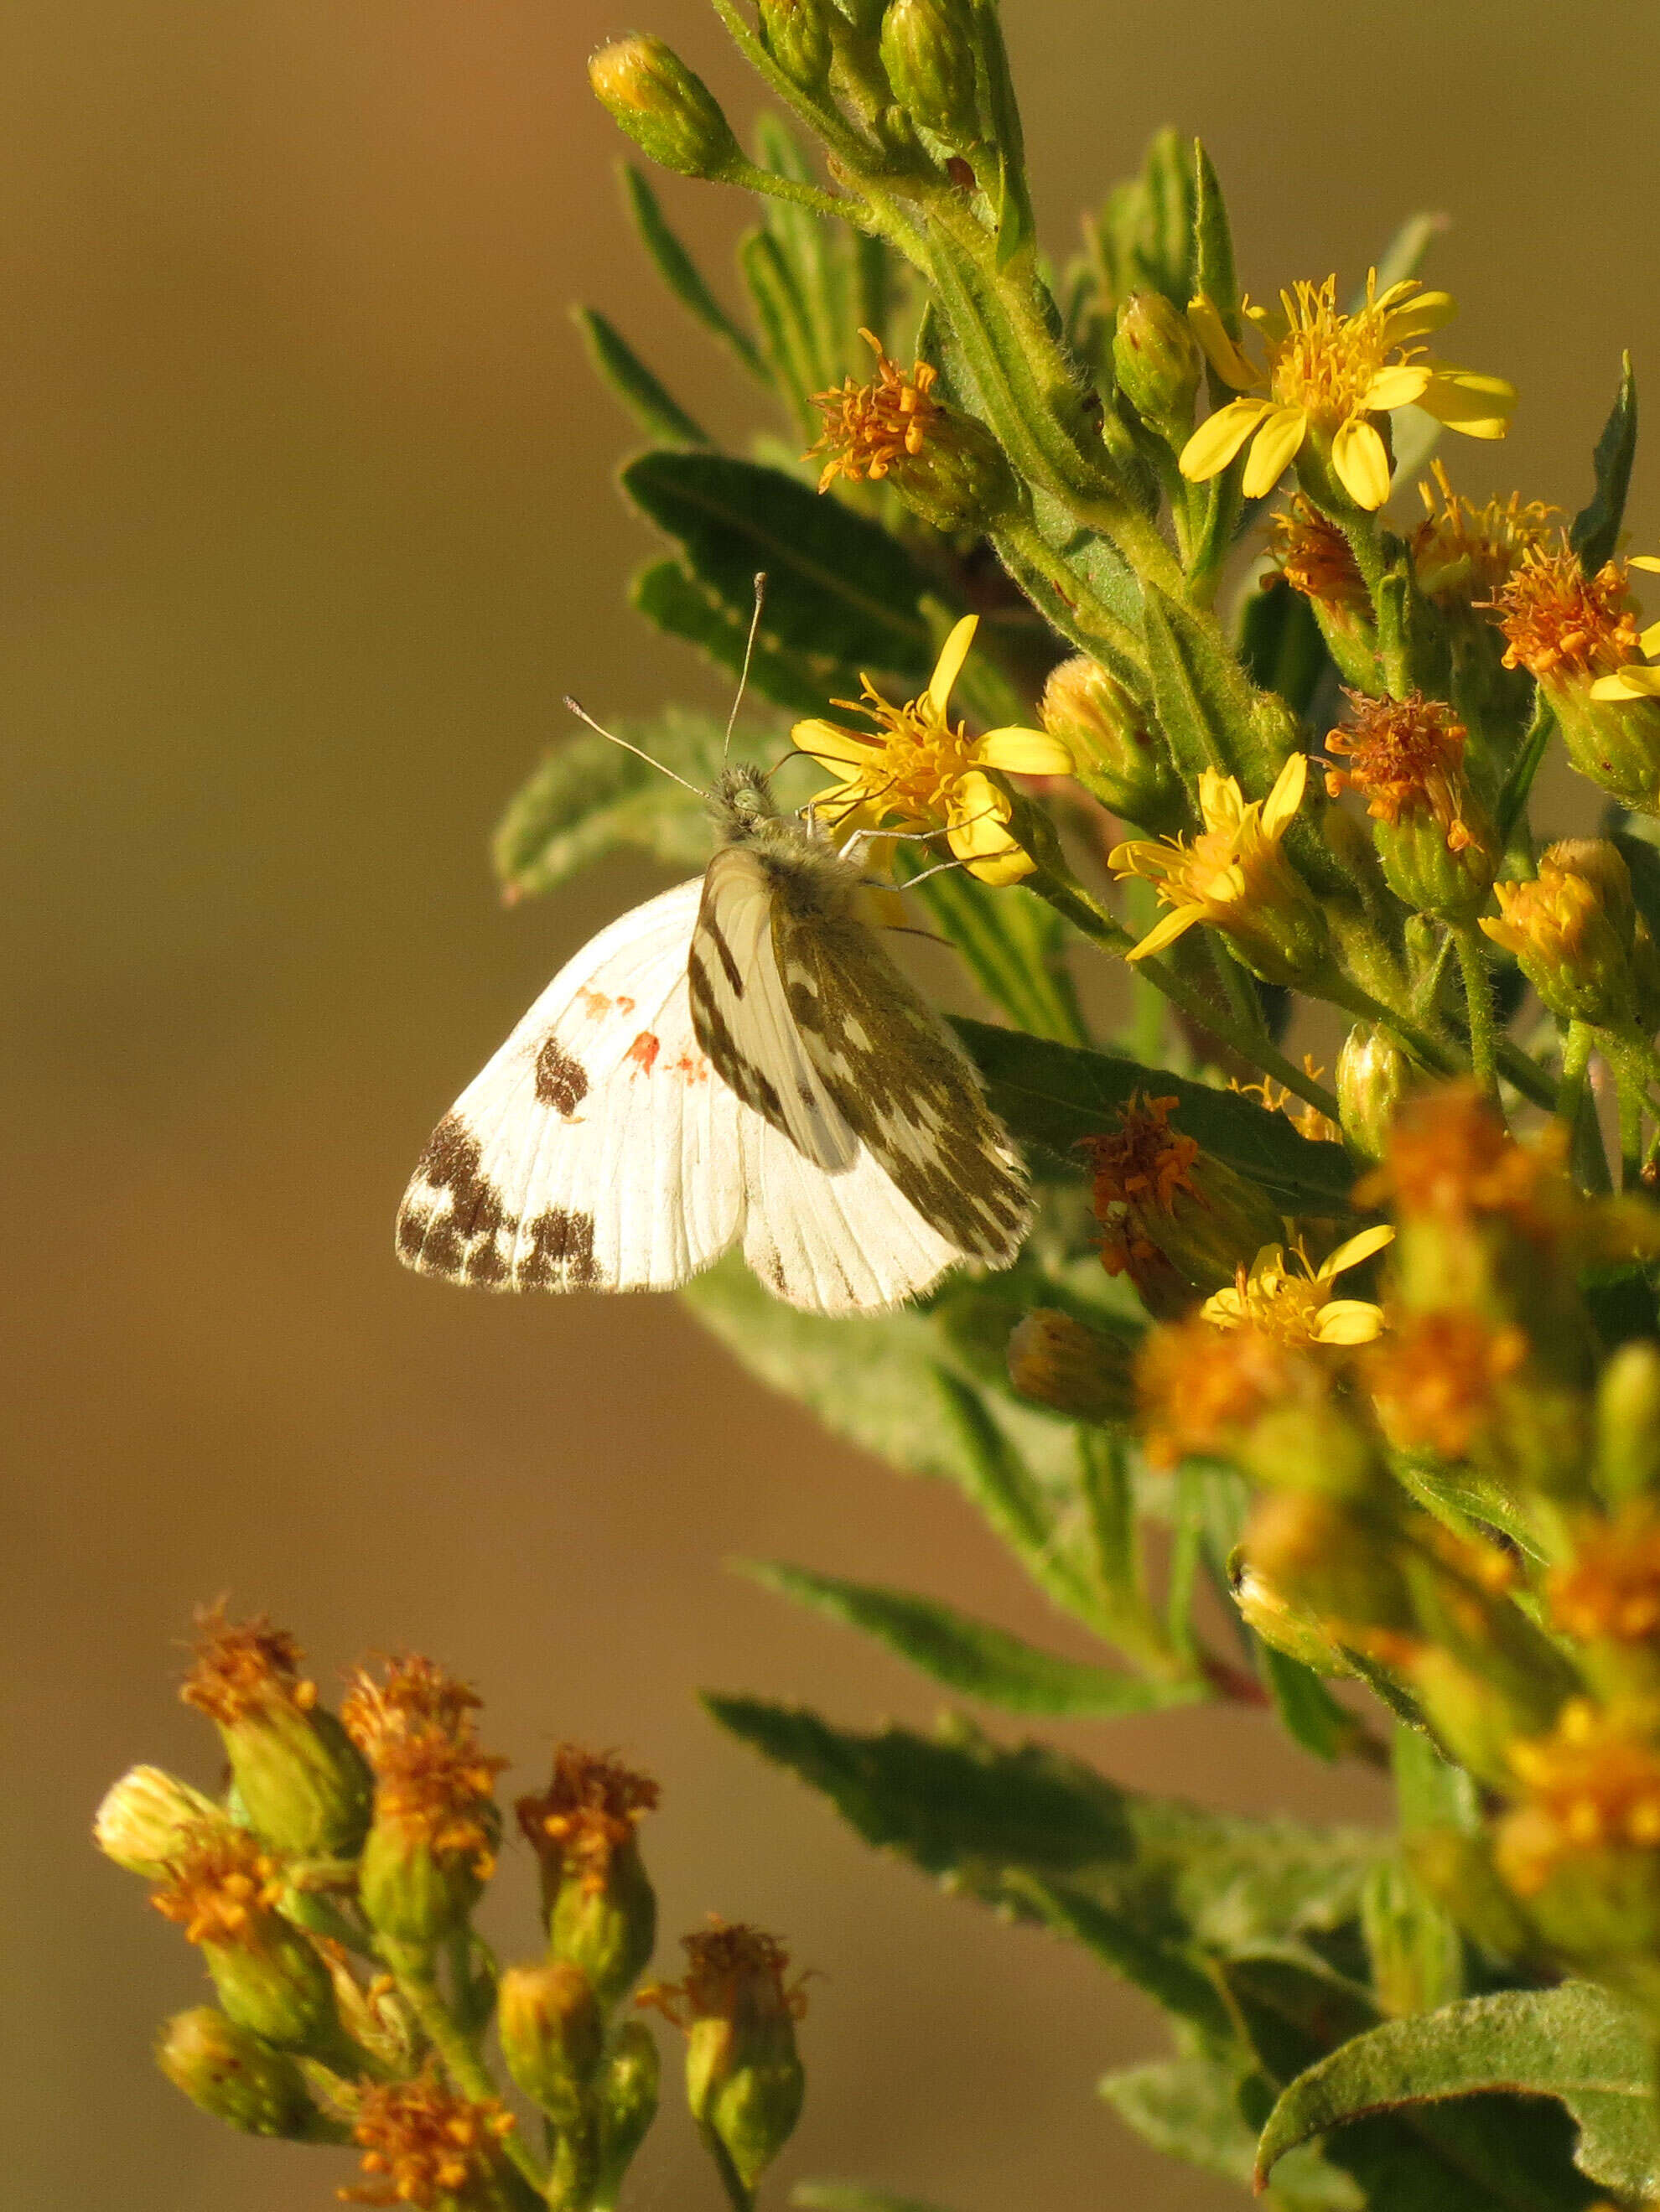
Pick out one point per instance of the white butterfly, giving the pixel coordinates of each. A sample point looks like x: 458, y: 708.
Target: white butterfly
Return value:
x: 737, y: 1058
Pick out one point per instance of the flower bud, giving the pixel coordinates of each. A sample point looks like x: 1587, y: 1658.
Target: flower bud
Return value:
x: 1436, y: 843
x: 670, y: 113
x: 1628, y: 1423
x: 946, y: 466
x: 1158, y: 361
x: 1572, y: 930
x: 1153, y: 1186
x: 236, y: 2078
x: 1374, y: 1074
x: 148, y: 1817
x: 601, y: 1907
x: 797, y: 35
x: 1290, y: 1628
x: 431, y: 1844
x: 1120, y: 755
x: 1417, y: 1959
x: 626, y: 2097
x: 744, y: 2080
x: 551, y: 2034
x: 928, y: 54
x: 1072, y: 1368
x: 302, y: 1786
x: 222, y: 1890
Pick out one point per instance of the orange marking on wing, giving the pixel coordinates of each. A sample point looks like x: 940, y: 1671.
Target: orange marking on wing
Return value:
x: 624, y: 1005
x: 643, y: 1051
x: 690, y: 1068
x: 595, y: 1003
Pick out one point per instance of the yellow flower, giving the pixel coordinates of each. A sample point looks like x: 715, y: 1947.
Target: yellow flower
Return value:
x: 1329, y: 374
x: 1233, y: 874
x: 1296, y: 1304
x: 918, y: 767
x: 1633, y: 682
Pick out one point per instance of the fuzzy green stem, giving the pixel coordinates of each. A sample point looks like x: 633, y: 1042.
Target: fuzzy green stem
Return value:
x: 1477, y: 1005
x: 458, y: 2053
x: 739, y: 2198
x: 1084, y: 618
x: 768, y: 181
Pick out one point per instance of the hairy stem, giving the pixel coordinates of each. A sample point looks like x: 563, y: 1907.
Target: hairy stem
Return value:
x: 1477, y: 1004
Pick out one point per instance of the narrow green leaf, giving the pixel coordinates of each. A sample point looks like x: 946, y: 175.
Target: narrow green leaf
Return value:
x: 1015, y: 227
x: 817, y: 252
x: 1406, y: 252
x: 657, y: 411
x: 589, y: 799
x: 1575, y: 2043
x: 1053, y: 1095
x: 841, y: 594
x: 971, y: 1655
x: 683, y: 606
x: 1212, y: 243
x: 1519, y: 783
x: 1309, y: 1713
x: 681, y: 273
x: 1012, y: 942
x: 1282, y: 646
x: 994, y: 1475
x: 1190, y: 2108
x: 1430, y: 1791
x: 1596, y: 528
x: 1201, y: 699
x: 849, y: 2197
x: 781, y: 314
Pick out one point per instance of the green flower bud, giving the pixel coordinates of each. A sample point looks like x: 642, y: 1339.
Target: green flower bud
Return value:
x: 927, y: 52
x: 1158, y: 362
x: 797, y: 35
x: 1437, y: 845
x: 1628, y: 1423
x: 626, y: 2097
x: 1121, y: 756
x: 743, y: 2079
x: 551, y: 2034
x: 223, y: 1890
x: 1071, y: 1368
x: 669, y: 113
x: 148, y: 1817
x: 865, y: 15
x: 236, y: 2078
x: 303, y: 1787
x: 1290, y: 1628
x: 1613, y: 741
x: 1373, y: 1075
x: 1572, y: 930
x: 600, y: 1905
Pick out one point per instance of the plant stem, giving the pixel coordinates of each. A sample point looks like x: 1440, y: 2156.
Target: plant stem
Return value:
x: 1477, y: 1005
x: 1085, y: 618
x: 457, y: 2052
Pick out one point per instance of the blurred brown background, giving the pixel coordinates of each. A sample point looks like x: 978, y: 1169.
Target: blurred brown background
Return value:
x: 308, y: 522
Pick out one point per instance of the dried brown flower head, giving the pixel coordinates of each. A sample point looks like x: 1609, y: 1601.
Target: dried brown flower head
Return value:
x: 1558, y: 622
x: 242, y: 1667
x: 591, y: 1807
x: 1405, y: 755
x: 219, y: 1886
x: 1316, y: 559
x: 1610, y: 1589
x: 1437, y: 1378
x: 425, y: 2145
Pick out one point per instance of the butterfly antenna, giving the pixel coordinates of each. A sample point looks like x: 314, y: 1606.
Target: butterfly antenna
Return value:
x: 583, y: 715
x: 749, y: 655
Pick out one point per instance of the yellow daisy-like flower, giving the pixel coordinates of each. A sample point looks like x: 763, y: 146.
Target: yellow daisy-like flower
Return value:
x: 1294, y: 1304
x: 917, y: 767
x: 1329, y: 374
x: 1635, y: 680
x: 1233, y: 874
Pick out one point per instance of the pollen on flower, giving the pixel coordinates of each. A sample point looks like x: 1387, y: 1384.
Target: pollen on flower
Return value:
x: 426, y: 2145
x: 1197, y: 1387
x: 1559, y: 622
x: 731, y: 1972
x: 1609, y: 1591
x: 1295, y: 1302
x: 1450, y: 1155
x: 1405, y: 755
x: 218, y: 1885
x: 591, y: 1807
x: 431, y: 1777
x: 1436, y: 1380
x: 1140, y: 1167
x: 1460, y: 550
x: 868, y: 427
x: 240, y: 1668
x: 1316, y: 559
x: 1592, y: 1784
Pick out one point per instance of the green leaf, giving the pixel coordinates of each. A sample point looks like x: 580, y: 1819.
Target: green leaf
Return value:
x: 841, y: 594
x: 850, y: 2197
x: 1015, y: 227
x: 816, y: 253
x: 1190, y: 2108
x: 589, y: 797
x: 1307, y: 1708
x: 1194, y: 703
x: 1574, y: 2044
x: 685, y: 607
x: 1518, y: 782
x: 657, y: 411
x: 971, y: 1655
x: 1053, y: 1095
x: 1212, y: 243
x: 1282, y: 646
x: 681, y: 273
x: 1011, y: 942
x: 1405, y: 254
x: 1596, y: 529
x: 781, y: 313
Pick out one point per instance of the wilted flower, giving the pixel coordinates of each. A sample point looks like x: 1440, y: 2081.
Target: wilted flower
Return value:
x: 426, y: 2145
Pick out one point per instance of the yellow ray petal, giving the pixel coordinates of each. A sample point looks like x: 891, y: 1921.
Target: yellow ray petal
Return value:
x: 1287, y: 796
x: 1648, y: 561
x: 1427, y: 312
x: 1024, y: 752
x: 1175, y: 924
x: 1395, y: 387
x: 1221, y: 350
x: 1633, y: 682
x: 1275, y: 445
x: 1649, y: 640
x: 1225, y: 1308
x: 1216, y: 440
x: 1220, y: 800
x: 949, y: 666
x: 1477, y: 406
x: 1357, y: 1250
x: 1361, y: 462
x: 825, y: 742
x: 1140, y: 856
x: 1348, y: 1321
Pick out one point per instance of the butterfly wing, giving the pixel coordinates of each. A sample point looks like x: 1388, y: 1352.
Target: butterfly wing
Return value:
x: 901, y: 1083
x: 597, y: 1148
x: 743, y: 1016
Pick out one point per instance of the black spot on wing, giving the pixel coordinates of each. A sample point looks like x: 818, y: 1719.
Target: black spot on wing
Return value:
x: 561, y: 1081
x: 735, y: 1069
x: 560, y: 1254
x: 710, y: 928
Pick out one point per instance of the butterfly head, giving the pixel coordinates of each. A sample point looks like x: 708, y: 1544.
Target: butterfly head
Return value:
x: 741, y: 802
